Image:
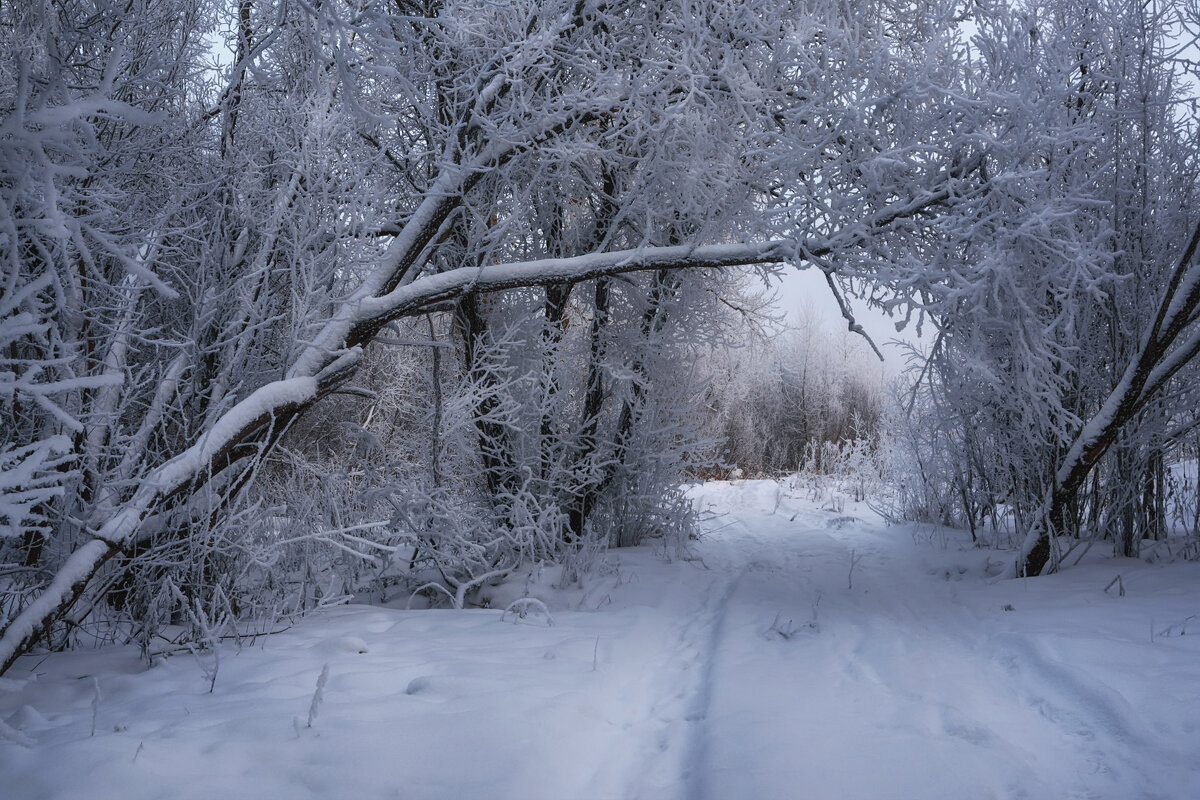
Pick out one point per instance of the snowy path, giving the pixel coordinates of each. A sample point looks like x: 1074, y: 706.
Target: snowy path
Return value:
x: 917, y: 683
x: 755, y: 671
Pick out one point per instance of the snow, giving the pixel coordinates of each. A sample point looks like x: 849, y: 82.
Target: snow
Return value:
x: 437, y: 287
x: 764, y: 667
x: 265, y: 400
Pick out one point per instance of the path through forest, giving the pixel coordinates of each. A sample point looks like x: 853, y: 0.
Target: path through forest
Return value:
x: 915, y: 677
x: 804, y: 650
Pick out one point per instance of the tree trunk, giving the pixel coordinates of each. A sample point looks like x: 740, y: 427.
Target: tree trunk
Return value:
x: 1163, y: 352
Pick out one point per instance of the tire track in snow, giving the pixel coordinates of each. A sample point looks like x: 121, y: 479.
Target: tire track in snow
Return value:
x: 684, y: 688
x: 1067, y: 698
x: 695, y: 787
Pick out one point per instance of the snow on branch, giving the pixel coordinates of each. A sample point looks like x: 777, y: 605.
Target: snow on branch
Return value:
x: 29, y: 476
x: 1164, y: 351
x: 434, y: 290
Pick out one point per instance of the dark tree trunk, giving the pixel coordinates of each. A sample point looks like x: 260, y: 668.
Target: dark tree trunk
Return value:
x: 494, y: 449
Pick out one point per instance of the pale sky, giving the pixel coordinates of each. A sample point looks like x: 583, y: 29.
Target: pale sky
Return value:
x: 804, y: 292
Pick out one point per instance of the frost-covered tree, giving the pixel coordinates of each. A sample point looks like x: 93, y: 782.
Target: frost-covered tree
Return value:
x: 1048, y: 293
x: 225, y: 244
x: 94, y: 150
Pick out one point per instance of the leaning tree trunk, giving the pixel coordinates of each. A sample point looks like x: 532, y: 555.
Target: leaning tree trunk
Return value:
x: 1163, y: 352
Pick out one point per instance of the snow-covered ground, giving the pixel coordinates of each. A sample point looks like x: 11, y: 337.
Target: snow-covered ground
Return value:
x: 765, y: 667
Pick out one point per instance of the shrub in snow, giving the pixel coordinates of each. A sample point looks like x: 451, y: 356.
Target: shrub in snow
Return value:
x: 523, y: 607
